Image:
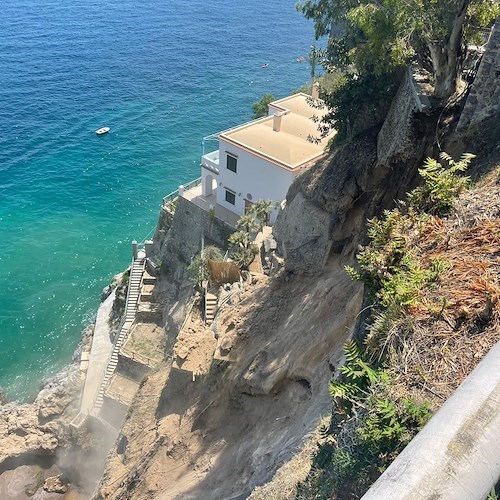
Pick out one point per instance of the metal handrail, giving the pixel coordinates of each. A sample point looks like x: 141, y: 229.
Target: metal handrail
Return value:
x: 118, y: 397
x: 143, y: 359
x: 192, y: 184
x: 171, y: 197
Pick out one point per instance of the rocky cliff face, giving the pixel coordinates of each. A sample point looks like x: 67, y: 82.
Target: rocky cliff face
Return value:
x: 483, y: 101
x: 35, y: 430
x: 327, y: 206
x: 224, y: 429
x: 31, y: 431
x: 33, y: 434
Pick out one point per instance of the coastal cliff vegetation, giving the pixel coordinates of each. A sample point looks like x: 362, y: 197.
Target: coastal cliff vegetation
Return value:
x: 370, y: 42
x: 433, y: 293
x: 380, y: 294
x: 307, y: 374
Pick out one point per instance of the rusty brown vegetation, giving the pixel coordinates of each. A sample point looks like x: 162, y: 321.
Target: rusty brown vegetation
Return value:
x: 455, y: 322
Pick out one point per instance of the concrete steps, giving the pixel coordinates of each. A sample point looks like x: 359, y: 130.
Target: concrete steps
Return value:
x: 133, y: 294
x: 210, y: 307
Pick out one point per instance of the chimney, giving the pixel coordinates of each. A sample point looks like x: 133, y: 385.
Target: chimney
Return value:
x: 277, y: 120
x: 315, y: 91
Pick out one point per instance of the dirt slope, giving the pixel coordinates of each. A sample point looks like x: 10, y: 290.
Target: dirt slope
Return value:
x: 228, y: 431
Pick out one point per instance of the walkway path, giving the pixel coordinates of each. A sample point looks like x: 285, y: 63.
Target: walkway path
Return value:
x: 104, y: 354
x: 133, y: 294
x: 99, y: 356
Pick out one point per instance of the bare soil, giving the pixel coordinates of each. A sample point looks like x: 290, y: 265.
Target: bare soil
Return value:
x: 147, y: 339
x: 229, y: 430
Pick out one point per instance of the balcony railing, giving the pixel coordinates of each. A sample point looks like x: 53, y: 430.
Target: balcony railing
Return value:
x: 207, y: 203
x: 210, y: 161
x: 189, y: 185
x: 170, y: 200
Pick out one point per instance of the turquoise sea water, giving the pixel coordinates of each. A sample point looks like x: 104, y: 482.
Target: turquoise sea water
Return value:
x: 161, y: 74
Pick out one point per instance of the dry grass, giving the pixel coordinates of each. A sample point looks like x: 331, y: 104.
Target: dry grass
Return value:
x: 454, y: 323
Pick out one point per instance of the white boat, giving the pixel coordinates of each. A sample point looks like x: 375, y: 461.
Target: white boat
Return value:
x: 102, y: 131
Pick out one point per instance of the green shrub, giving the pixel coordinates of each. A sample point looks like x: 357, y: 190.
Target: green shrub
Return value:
x: 370, y: 424
x: 260, y: 108
x: 368, y: 429
x: 442, y: 184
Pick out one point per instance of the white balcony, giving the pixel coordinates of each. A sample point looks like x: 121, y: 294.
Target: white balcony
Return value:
x: 210, y: 161
x: 209, y: 203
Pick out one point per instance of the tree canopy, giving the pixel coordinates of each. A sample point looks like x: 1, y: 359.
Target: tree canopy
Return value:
x: 377, y: 36
x: 260, y: 108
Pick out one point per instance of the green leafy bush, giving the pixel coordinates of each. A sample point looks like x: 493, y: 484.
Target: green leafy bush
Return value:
x: 354, y: 100
x: 371, y: 422
x: 442, y: 184
x: 260, y: 108
x: 389, y: 266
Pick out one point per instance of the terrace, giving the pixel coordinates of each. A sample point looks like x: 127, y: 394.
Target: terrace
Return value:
x: 193, y: 192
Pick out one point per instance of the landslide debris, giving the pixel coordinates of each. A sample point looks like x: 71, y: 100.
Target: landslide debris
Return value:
x: 225, y: 430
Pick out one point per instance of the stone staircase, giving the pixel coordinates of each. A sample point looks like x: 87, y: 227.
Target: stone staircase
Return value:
x: 133, y: 294
x: 210, y: 307
x: 148, y: 310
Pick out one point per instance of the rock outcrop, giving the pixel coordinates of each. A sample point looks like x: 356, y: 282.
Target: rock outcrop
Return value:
x: 56, y: 484
x: 28, y: 431
x: 327, y: 206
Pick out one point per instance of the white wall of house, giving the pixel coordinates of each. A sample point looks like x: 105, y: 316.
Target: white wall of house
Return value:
x: 255, y: 179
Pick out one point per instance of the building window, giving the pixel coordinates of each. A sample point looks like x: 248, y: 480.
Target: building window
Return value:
x: 231, y: 163
x: 230, y: 197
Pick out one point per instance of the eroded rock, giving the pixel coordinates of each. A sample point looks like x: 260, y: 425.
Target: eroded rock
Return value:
x: 56, y: 484
x: 38, y: 429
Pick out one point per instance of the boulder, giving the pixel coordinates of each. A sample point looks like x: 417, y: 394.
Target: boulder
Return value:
x: 56, y: 484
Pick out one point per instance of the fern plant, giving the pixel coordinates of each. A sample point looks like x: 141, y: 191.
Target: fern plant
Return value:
x: 369, y: 427
x: 357, y: 376
x: 442, y: 184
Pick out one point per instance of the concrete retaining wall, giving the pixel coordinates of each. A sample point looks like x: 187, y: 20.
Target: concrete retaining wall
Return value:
x: 131, y: 368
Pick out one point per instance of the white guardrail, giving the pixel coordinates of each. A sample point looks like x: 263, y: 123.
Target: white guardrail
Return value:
x: 456, y: 455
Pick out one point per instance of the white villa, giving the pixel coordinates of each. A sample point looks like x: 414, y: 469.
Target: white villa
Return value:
x: 259, y: 160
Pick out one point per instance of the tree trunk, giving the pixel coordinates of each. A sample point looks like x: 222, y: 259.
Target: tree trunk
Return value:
x: 445, y: 66
x: 445, y: 55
